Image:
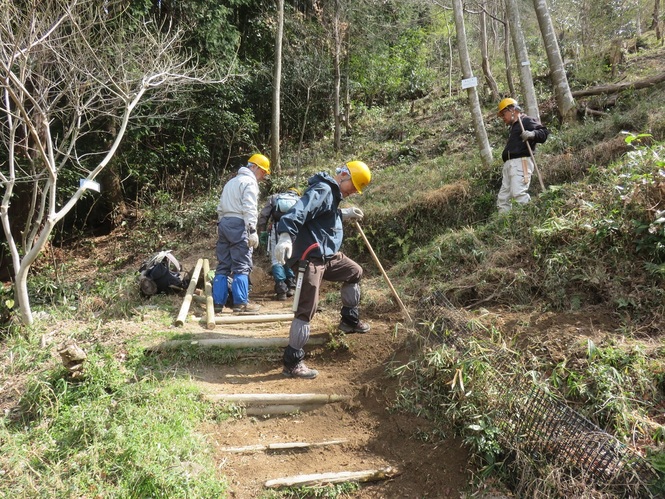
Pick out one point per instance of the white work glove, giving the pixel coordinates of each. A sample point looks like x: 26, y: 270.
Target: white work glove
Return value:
x: 253, y: 240
x: 284, y: 248
x: 528, y: 135
x: 352, y: 213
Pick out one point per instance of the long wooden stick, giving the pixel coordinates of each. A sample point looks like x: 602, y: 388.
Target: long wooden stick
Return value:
x: 535, y: 166
x: 277, y: 398
x: 281, y: 446
x: 182, y: 316
x: 232, y: 343
x: 325, y: 478
x: 210, y: 304
x: 385, y: 276
x: 243, y: 319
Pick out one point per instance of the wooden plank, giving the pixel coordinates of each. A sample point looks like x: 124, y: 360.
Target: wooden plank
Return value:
x: 326, y: 478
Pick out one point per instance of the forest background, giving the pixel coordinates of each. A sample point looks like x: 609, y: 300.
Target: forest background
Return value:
x: 377, y: 81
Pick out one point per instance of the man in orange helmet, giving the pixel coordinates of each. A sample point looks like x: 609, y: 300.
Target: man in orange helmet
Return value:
x: 237, y: 236
x: 518, y: 165
x: 313, y: 229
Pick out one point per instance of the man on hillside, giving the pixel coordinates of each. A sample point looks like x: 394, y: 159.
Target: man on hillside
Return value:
x: 518, y: 166
x: 236, y: 228
x: 276, y: 206
x: 315, y: 224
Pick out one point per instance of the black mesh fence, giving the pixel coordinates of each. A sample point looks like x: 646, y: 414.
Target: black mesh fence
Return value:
x: 535, y: 424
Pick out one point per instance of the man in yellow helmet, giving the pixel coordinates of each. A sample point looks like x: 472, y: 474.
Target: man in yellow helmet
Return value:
x: 237, y: 237
x: 313, y: 227
x: 518, y: 165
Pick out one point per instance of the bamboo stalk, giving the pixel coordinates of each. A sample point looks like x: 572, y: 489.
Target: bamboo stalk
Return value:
x: 276, y: 398
x: 325, y: 478
x: 246, y: 319
x: 210, y: 304
x: 282, y: 446
x: 232, y: 343
x: 186, y: 302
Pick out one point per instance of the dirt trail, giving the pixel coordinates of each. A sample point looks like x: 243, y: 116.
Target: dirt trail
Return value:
x: 374, y: 436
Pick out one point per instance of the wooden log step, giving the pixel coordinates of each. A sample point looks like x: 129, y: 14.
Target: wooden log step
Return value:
x: 282, y: 446
x: 326, y: 478
x: 246, y: 319
x: 231, y: 343
x: 276, y: 398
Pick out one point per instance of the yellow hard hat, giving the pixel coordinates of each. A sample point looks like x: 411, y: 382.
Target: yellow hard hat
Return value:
x: 508, y: 101
x: 261, y: 161
x: 360, y: 175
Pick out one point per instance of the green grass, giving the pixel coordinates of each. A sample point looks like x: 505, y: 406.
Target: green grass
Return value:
x: 113, y: 433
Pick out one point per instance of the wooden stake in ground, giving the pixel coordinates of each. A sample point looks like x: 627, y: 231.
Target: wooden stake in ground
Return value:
x: 186, y: 302
x: 326, y: 478
x: 383, y: 272
x: 210, y: 304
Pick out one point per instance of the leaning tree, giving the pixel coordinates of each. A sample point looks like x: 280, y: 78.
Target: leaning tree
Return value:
x: 73, y: 73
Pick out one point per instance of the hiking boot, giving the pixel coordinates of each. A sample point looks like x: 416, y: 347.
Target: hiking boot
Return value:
x: 300, y: 370
x: 281, y: 296
x: 361, y: 327
x: 246, y: 308
x: 219, y: 309
x: 290, y: 293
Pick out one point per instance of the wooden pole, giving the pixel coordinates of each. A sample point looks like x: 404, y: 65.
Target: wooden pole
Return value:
x: 326, y: 478
x: 385, y: 276
x: 281, y: 446
x: 276, y: 398
x: 210, y: 304
x: 244, y: 319
x: 232, y: 343
x: 182, y: 316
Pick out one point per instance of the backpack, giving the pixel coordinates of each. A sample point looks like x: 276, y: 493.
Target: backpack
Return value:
x: 161, y: 273
x: 283, y: 203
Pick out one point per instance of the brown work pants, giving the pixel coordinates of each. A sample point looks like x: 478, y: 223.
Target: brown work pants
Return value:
x: 339, y: 268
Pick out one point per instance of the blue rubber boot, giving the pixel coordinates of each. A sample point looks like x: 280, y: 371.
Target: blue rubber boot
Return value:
x: 220, y: 290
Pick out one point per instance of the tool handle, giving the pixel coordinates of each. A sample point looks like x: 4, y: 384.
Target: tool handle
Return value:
x: 383, y: 272
x: 535, y: 166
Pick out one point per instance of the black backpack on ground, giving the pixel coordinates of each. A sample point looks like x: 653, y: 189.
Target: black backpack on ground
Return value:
x: 162, y: 273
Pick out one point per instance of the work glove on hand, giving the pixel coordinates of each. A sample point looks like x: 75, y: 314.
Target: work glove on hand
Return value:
x: 528, y: 135
x: 253, y: 240
x: 284, y: 248
x: 352, y: 214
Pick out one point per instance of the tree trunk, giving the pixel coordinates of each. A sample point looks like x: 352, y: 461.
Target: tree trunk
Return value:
x: 489, y: 79
x: 523, y: 59
x: 277, y: 84
x: 655, y: 20
x: 476, y: 113
x: 508, y: 59
x: 564, y: 98
x: 338, y: 74
x: 618, y: 87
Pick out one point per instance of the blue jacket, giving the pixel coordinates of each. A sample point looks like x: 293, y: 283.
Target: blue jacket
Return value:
x: 315, y: 218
